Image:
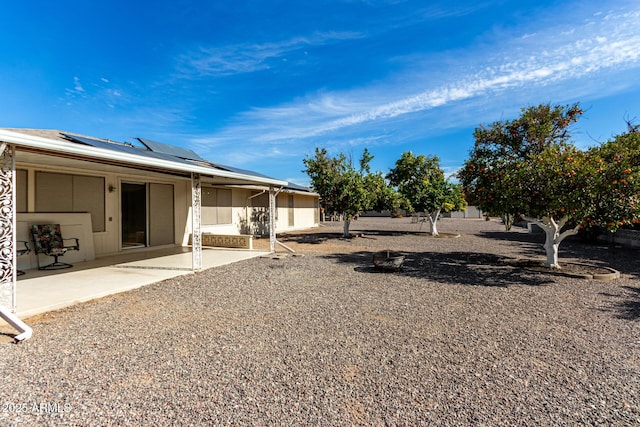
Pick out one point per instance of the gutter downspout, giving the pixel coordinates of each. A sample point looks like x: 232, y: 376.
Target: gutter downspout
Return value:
x: 24, y: 331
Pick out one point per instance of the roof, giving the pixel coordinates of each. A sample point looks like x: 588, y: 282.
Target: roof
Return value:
x: 149, y: 154
x: 299, y: 188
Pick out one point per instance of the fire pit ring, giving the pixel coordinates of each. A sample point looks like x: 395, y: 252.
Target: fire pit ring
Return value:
x: 388, y: 260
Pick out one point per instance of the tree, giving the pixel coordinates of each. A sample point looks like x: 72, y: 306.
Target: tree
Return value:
x: 615, y: 178
x: 345, y: 189
x: 422, y: 184
x: 383, y: 196
x: 528, y: 167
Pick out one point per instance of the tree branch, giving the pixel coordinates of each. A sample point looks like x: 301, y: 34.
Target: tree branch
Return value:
x: 567, y: 233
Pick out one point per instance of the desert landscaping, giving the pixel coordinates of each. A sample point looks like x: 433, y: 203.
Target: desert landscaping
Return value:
x: 465, y: 333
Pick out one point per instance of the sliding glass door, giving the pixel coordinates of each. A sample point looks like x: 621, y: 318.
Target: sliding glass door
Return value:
x: 134, y: 214
x: 147, y: 214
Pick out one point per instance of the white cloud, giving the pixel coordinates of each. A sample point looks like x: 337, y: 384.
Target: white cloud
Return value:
x: 247, y: 58
x: 77, y: 86
x: 77, y: 89
x: 558, y: 56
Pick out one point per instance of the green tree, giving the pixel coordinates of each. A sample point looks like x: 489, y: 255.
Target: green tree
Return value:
x: 615, y: 180
x: 383, y: 195
x: 528, y: 167
x: 345, y: 189
x: 422, y: 184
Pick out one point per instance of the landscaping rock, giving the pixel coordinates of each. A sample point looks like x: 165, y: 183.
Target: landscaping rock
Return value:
x: 459, y: 336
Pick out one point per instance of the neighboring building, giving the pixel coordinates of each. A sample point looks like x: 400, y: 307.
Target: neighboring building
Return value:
x: 469, y: 212
x: 115, y: 197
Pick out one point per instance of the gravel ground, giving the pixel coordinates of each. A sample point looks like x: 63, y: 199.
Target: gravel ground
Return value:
x: 458, y: 337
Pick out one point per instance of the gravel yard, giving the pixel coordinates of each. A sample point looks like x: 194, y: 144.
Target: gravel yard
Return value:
x: 459, y: 336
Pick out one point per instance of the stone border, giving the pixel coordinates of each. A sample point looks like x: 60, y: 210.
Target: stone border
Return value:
x: 446, y: 236
x: 611, y: 275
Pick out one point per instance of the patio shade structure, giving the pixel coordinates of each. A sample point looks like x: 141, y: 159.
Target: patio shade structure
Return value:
x: 154, y: 157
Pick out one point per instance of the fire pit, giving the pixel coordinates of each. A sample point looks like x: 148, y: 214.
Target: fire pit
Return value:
x: 388, y: 260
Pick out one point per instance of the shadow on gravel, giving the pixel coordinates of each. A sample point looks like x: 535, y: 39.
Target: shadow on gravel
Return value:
x: 7, y: 335
x: 318, y: 238
x: 623, y: 259
x: 530, y: 244
x: 620, y: 258
x: 465, y: 268
x: 629, y: 307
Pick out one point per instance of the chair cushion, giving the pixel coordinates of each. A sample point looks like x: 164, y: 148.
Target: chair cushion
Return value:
x: 47, y: 238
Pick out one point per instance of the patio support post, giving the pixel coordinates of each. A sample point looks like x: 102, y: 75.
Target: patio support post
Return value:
x: 272, y: 219
x: 196, y: 222
x: 8, y: 226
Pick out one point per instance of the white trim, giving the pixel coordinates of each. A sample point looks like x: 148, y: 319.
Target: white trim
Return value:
x: 25, y: 331
x: 63, y: 147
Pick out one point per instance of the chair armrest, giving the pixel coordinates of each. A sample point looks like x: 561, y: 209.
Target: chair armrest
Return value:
x: 75, y: 247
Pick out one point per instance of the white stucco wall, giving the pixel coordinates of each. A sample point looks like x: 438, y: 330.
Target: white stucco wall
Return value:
x: 244, y: 209
x: 72, y: 225
x: 105, y: 242
x: 303, y: 212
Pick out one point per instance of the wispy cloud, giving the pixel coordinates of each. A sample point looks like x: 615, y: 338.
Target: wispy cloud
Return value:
x: 616, y: 45
x: 93, y: 95
x: 560, y: 55
x: 77, y: 90
x: 248, y: 58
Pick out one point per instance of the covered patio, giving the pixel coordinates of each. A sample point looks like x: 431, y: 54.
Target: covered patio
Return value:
x: 176, y: 187
x: 42, y: 291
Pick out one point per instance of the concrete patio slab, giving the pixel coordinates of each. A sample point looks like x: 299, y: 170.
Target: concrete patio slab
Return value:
x: 44, y: 293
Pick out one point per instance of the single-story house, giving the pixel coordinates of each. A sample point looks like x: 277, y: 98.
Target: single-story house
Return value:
x: 116, y: 197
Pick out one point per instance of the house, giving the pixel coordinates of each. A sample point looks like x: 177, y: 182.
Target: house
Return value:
x: 117, y: 197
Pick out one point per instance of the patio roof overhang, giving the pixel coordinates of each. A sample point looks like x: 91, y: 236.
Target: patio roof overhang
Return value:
x: 286, y: 189
x: 62, y: 148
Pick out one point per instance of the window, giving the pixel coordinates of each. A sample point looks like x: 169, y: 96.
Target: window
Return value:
x: 58, y: 192
x: 21, y: 190
x: 216, y: 206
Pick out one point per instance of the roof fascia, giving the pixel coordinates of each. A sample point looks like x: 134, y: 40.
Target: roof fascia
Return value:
x: 284, y: 189
x: 69, y: 148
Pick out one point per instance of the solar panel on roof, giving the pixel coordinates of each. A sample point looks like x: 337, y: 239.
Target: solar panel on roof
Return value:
x: 130, y: 149
x: 293, y: 186
x: 159, y: 147
x: 100, y: 144
x: 238, y: 170
x: 124, y: 148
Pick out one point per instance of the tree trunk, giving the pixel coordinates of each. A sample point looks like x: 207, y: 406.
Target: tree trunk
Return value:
x: 551, y: 249
x: 433, y: 222
x: 345, y: 231
x: 553, y: 237
x: 507, y: 219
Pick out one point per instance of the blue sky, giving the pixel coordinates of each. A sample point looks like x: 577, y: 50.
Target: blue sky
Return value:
x: 260, y: 84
